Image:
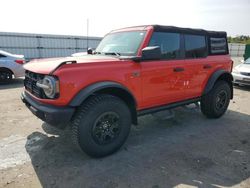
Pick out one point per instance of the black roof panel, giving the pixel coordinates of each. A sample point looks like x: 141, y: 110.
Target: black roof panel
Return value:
x: 161, y: 28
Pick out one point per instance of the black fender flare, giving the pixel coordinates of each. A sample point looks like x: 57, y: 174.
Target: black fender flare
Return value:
x: 219, y: 74
x: 112, y: 88
x: 91, y: 89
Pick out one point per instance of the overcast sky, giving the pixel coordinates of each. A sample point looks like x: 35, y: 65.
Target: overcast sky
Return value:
x: 68, y: 17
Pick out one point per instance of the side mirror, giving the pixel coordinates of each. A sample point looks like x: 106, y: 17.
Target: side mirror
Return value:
x: 151, y: 53
x: 90, y: 51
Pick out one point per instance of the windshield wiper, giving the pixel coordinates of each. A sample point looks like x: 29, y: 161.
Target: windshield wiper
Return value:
x: 108, y: 53
x: 112, y: 53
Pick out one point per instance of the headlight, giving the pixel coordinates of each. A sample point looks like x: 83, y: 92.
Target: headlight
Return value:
x: 50, y: 86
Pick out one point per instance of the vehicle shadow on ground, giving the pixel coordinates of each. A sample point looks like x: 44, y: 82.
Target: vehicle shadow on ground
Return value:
x: 186, y: 150
x: 15, y: 83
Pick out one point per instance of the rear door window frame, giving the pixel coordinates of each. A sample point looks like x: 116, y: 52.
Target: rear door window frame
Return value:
x: 206, y: 45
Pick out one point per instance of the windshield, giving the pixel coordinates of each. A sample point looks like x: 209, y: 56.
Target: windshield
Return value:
x: 122, y: 43
x: 247, y: 61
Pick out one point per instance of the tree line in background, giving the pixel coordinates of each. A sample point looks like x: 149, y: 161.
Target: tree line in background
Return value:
x: 239, y: 39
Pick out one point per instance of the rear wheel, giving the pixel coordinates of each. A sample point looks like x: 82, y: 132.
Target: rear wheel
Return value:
x: 215, y: 103
x: 5, y: 75
x: 101, y: 125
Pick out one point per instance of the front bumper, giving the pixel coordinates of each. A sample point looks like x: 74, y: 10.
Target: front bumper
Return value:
x: 241, y: 79
x: 55, y: 116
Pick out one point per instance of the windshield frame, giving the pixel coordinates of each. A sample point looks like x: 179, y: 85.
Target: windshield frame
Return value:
x: 141, y: 42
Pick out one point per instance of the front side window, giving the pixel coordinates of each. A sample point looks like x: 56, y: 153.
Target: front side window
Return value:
x: 168, y: 42
x: 122, y: 43
x: 195, y: 46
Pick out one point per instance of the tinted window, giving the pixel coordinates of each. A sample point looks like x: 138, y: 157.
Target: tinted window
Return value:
x: 2, y: 56
x: 169, y: 44
x: 195, y: 46
x: 218, y: 45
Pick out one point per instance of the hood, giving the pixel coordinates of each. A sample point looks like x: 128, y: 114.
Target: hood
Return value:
x: 243, y: 67
x: 46, y: 66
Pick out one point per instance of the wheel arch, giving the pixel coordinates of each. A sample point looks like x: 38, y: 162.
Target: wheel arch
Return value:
x: 219, y: 75
x: 6, y: 69
x: 111, y: 88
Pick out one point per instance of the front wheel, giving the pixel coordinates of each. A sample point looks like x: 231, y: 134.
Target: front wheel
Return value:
x: 215, y: 103
x: 101, y: 125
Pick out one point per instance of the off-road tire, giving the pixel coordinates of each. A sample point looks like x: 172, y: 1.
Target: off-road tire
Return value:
x: 210, y: 101
x: 84, y: 122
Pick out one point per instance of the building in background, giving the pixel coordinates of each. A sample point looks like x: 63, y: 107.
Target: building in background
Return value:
x: 34, y: 46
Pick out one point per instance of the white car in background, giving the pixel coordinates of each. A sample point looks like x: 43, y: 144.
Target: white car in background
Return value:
x: 78, y: 54
x: 241, y: 73
x: 11, y: 65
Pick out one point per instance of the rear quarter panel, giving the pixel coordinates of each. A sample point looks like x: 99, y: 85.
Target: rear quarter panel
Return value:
x: 218, y: 62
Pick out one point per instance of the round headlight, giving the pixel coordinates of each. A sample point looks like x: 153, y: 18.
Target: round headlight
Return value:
x: 50, y: 86
x: 51, y: 83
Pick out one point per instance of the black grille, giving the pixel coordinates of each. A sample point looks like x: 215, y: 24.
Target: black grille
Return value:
x: 245, y: 73
x: 30, y: 81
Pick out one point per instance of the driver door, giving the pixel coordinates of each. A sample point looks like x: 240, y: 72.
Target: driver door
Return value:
x: 164, y: 81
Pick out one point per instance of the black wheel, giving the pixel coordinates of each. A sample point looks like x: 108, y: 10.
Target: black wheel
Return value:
x: 215, y: 103
x: 5, y: 75
x: 101, y: 125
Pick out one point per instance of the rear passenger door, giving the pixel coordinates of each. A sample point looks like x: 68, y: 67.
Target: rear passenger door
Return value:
x: 197, y: 64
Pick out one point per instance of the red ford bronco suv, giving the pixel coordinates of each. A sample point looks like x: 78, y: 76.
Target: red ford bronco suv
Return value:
x: 133, y: 72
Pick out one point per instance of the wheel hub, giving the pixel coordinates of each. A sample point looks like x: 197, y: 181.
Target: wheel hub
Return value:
x: 221, y: 99
x: 106, y: 128
x: 4, y: 75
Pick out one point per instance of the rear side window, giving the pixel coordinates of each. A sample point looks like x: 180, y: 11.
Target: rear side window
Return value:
x: 2, y: 56
x: 168, y: 42
x: 195, y: 46
x: 218, y: 46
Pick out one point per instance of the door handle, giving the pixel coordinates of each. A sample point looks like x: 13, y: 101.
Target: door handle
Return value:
x: 207, y: 66
x: 178, y: 69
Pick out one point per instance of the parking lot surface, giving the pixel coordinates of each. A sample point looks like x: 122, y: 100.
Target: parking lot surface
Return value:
x: 188, y: 150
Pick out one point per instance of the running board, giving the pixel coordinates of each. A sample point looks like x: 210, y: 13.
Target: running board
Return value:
x: 167, y: 107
